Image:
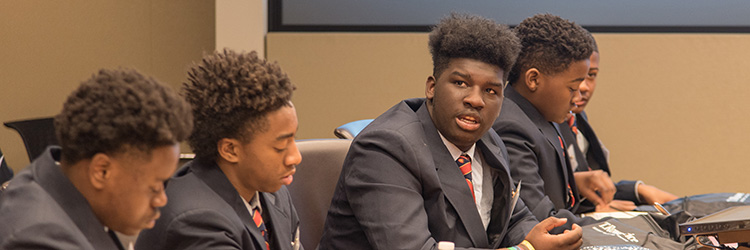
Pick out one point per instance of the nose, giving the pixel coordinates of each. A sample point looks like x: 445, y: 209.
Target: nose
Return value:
x: 474, y: 98
x: 577, y: 97
x: 160, y: 200
x: 294, y: 157
x: 584, y: 87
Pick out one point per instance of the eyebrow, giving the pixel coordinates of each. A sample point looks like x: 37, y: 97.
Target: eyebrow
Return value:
x: 285, y: 136
x: 461, y: 74
x: 579, y: 79
x: 498, y: 84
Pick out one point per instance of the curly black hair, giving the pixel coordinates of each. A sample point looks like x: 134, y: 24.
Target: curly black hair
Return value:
x: 473, y: 37
x: 550, y: 44
x: 119, y: 110
x: 231, y: 94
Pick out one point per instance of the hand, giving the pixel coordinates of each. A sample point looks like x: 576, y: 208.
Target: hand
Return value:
x: 616, y: 206
x: 650, y: 194
x: 540, y: 238
x: 589, y: 182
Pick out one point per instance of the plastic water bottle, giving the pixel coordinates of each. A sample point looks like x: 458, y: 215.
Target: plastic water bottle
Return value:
x: 446, y: 245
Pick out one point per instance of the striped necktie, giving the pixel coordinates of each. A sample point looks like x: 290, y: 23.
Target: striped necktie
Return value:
x: 571, y: 197
x: 464, y: 163
x: 261, y: 226
x: 573, y: 125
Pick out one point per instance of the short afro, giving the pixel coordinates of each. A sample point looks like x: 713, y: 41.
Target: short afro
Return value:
x: 550, y: 44
x: 119, y: 110
x: 231, y: 94
x: 473, y: 37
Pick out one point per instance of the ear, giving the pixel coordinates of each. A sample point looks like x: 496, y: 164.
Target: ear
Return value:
x: 100, y: 170
x: 429, y: 88
x: 229, y: 149
x: 532, y: 78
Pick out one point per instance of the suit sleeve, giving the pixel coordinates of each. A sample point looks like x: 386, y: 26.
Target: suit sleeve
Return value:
x: 627, y: 190
x: 521, y: 223
x: 524, y: 165
x: 195, y: 229
x: 44, y: 236
x: 383, y: 183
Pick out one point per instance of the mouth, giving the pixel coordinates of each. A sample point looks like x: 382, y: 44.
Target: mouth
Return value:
x: 582, y: 102
x: 287, y: 179
x: 152, y: 222
x: 468, y: 122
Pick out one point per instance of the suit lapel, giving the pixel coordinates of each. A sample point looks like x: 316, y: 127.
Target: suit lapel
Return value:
x: 563, y: 161
x: 212, y: 176
x: 452, y: 181
x: 500, y: 213
x: 575, y: 157
x: 276, y: 215
x: 595, y: 148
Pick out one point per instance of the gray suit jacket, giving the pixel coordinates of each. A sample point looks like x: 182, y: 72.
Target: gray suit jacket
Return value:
x: 537, y: 157
x: 400, y: 189
x: 206, y: 212
x: 41, y: 209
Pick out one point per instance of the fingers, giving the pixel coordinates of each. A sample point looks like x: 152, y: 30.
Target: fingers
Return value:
x: 622, y: 205
x: 552, y: 222
x: 602, y: 183
x: 605, y: 208
x: 607, y: 189
x: 571, y: 239
x: 592, y: 196
x: 591, y: 182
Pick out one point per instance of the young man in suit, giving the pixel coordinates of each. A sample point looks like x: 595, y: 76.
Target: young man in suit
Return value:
x: 543, y: 89
x: 402, y: 185
x: 585, y: 151
x: 119, y: 134
x: 232, y: 196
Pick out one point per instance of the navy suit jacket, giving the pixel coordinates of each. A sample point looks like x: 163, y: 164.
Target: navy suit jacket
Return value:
x: 5, y: 172
x: 206, y: 212
x: 401, y: 189
x: 42, y: 209
x: 537, y: 157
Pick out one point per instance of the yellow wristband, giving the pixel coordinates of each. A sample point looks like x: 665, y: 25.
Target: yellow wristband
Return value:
x: 527, y: 244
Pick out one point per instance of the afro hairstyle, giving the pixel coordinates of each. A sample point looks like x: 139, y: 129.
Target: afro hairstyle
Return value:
x: 231, y: 93
x: 117, y: 111
x: 473, y: 37
x: 550, y: 44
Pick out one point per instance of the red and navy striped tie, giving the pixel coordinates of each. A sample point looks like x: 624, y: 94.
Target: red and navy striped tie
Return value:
x: 261, y: 226
x: 464, y: 163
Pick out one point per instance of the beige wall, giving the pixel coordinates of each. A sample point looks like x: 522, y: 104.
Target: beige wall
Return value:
x: 241, y: 25
x: 671, y: 107
x: 48, y: 47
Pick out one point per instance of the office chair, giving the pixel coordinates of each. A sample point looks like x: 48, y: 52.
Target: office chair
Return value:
x: 314, y: 184
x: 37, y: 134
x: 350, y: 130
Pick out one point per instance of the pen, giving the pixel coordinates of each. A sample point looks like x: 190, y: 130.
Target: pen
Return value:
x: 661, y: 209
